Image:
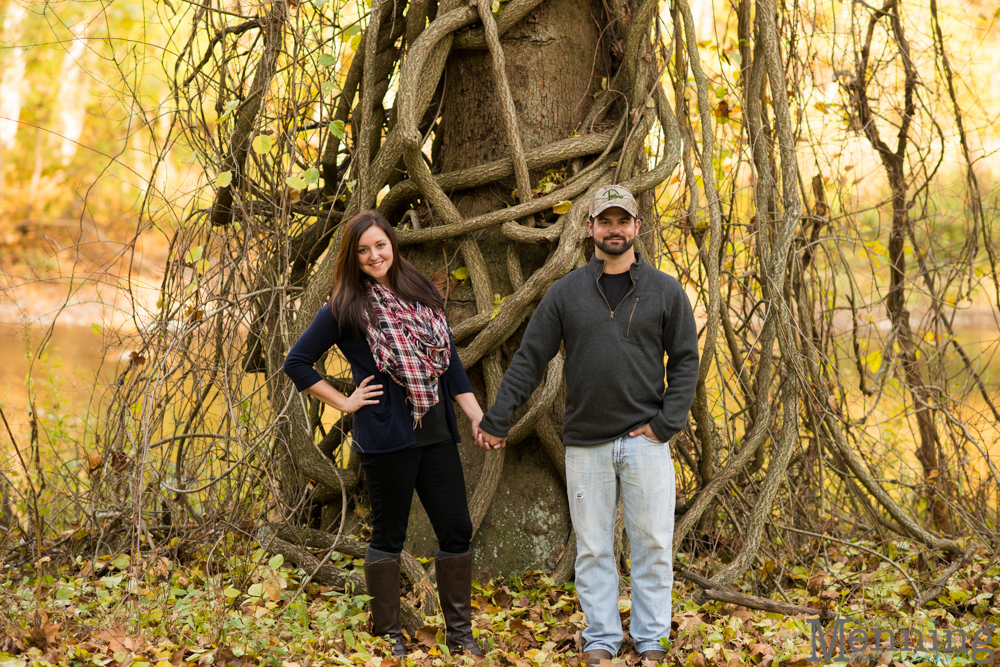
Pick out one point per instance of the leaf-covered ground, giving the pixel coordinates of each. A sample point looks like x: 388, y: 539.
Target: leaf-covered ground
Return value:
x: 252, y: 610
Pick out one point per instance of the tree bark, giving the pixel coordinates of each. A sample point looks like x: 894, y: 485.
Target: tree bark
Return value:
x: 524, y: 520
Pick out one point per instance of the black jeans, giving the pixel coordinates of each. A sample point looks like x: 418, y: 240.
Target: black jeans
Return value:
x: 435, y: 472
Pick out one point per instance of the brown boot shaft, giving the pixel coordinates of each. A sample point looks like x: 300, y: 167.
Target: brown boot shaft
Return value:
x: 382, y: 580
x: 454, y: 579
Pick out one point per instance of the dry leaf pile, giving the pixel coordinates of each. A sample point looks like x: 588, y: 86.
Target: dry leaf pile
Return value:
x: 153, y: 612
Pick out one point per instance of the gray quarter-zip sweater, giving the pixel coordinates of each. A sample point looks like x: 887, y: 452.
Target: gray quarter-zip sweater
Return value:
x: 614, y: 358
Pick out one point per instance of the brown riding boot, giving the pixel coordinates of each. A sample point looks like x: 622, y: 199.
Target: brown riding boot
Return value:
x: 382, y: 580
x: 454, y: 579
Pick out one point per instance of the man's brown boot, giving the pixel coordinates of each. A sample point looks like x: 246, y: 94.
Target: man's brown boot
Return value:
x: 596, y: 655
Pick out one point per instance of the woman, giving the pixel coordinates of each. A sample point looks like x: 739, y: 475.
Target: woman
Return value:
x: 388, y: 321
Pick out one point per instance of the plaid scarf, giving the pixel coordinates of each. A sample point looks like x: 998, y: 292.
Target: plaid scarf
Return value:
x: 411, y: 344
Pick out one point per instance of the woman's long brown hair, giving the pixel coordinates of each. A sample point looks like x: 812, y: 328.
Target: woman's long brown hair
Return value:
x: 350, y: 304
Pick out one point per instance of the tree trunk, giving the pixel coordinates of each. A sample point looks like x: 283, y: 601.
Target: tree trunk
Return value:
x: 554, y: 66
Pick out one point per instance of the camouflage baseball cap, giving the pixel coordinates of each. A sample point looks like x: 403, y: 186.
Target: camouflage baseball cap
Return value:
x: 610, y: 196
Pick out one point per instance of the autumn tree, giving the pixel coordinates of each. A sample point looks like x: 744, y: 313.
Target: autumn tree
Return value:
x: 481, y: 131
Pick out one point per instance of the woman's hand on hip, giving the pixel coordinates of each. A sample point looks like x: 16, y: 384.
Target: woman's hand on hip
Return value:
x: 365, y: 394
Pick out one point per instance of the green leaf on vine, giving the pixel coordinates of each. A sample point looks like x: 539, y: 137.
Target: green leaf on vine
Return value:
x: 262, y: 143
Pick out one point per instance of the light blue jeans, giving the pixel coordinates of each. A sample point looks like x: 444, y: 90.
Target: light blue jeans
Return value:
x: 643, y: 472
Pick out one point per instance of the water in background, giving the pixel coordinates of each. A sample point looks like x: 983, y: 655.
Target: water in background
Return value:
x: 62, y: 378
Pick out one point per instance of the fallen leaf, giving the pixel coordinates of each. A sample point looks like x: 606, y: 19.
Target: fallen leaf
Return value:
x: 44, y: 633
x: 801, y: 660
x: 119, y: 641
x: 740, y: 613
x: 688, y: 620
x: 815, y: 583
x: 163, y: 567
x: 426, y: 635
x: 273, y: 590
x: 225, y: 657
x: 560, y: 635
x: 443, y: 284
x: 502, y: 598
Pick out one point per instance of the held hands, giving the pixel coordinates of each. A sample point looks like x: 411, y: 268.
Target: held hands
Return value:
x: 483, y: 440
x: 646, y: 431
x: 488, y: 442
x: 365, y: 394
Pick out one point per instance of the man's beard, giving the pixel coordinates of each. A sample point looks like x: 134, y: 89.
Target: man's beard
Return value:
x: 615, y: 250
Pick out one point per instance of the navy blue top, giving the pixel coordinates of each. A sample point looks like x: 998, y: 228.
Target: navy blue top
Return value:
x: 381, y: 428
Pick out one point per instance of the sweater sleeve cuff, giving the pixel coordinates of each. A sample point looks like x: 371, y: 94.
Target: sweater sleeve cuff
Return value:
x: 460, y: 385
x: 307, y: 379
x: 661, y: 429
x: 492, y: 425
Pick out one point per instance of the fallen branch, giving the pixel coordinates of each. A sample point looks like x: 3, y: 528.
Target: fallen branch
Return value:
x: 713, y: 592
x: 411, y: 567
x: 939, y: 587
x: 855, y: 545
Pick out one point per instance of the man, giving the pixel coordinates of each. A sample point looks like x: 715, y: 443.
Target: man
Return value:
x: 617, y: 317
